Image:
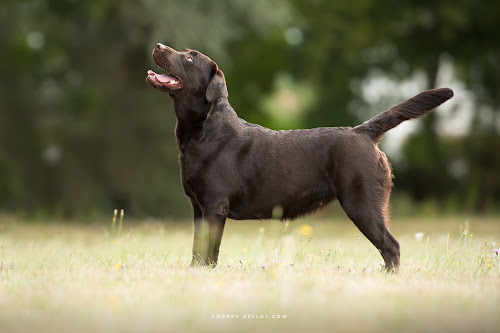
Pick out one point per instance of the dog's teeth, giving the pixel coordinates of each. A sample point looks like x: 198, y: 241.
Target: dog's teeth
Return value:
x: 174, y: 82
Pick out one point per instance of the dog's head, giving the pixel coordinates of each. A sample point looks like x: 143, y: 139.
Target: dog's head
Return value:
x: 188, y: 74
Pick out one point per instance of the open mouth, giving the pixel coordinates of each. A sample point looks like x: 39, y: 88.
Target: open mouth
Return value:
x: 167, y: 80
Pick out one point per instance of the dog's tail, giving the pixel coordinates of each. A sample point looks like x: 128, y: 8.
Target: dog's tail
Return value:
x: 415, y: 107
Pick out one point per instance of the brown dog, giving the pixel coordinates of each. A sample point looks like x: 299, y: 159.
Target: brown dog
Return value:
x: 231, y: 168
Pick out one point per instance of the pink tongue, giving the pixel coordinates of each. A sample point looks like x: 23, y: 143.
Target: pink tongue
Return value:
x: 164, y: 78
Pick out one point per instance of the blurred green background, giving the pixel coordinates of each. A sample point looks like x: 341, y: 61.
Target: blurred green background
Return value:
x: 81, y: 133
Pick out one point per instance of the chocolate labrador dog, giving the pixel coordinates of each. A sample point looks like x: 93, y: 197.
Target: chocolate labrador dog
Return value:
x: 232, y: 168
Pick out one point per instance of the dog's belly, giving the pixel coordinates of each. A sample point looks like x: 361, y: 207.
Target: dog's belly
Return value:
x: 278, y: 203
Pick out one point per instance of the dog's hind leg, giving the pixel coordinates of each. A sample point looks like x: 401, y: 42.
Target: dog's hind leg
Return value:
x: 366, y: 203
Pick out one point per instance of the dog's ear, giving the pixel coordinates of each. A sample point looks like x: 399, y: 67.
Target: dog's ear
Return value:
x: 217, y: 87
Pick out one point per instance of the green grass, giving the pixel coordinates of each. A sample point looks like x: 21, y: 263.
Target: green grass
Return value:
x: 88, y: 278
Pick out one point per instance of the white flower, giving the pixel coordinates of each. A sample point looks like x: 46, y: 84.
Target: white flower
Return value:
x: 419, y: 236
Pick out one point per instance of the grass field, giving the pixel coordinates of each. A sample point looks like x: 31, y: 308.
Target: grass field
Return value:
x: 314, y: 274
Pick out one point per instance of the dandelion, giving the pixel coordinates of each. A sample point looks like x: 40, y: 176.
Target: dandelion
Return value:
x: 305, y: 230
x: 113, y: 301
x: 115, y: 212
x: 122, y: 212
x: 419, y: 236
x: 244, y: 250
x: 117, y: 266
x: 465, y: 228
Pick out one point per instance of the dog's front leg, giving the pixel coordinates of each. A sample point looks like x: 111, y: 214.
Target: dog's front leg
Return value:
x: 209, y: 224
x: 215, y: 236
x: 215, y: 216
x: 200, y: 239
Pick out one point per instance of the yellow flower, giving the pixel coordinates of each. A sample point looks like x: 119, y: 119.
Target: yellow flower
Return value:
x: 305, y: 230
x: 117, y: 266
x: 113, y: 301
x: 244, y: 250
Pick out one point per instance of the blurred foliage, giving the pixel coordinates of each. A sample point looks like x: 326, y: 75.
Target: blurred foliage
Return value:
x: 81, y: 133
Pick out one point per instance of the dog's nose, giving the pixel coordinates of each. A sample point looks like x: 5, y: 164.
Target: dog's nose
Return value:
x: 160, y: 47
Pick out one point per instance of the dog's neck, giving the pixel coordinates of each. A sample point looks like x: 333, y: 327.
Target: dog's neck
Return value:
x: 191, y: 121
x: 191, y: 118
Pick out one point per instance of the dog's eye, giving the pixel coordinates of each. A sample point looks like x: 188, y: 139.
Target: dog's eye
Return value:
x: 190, y: 58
